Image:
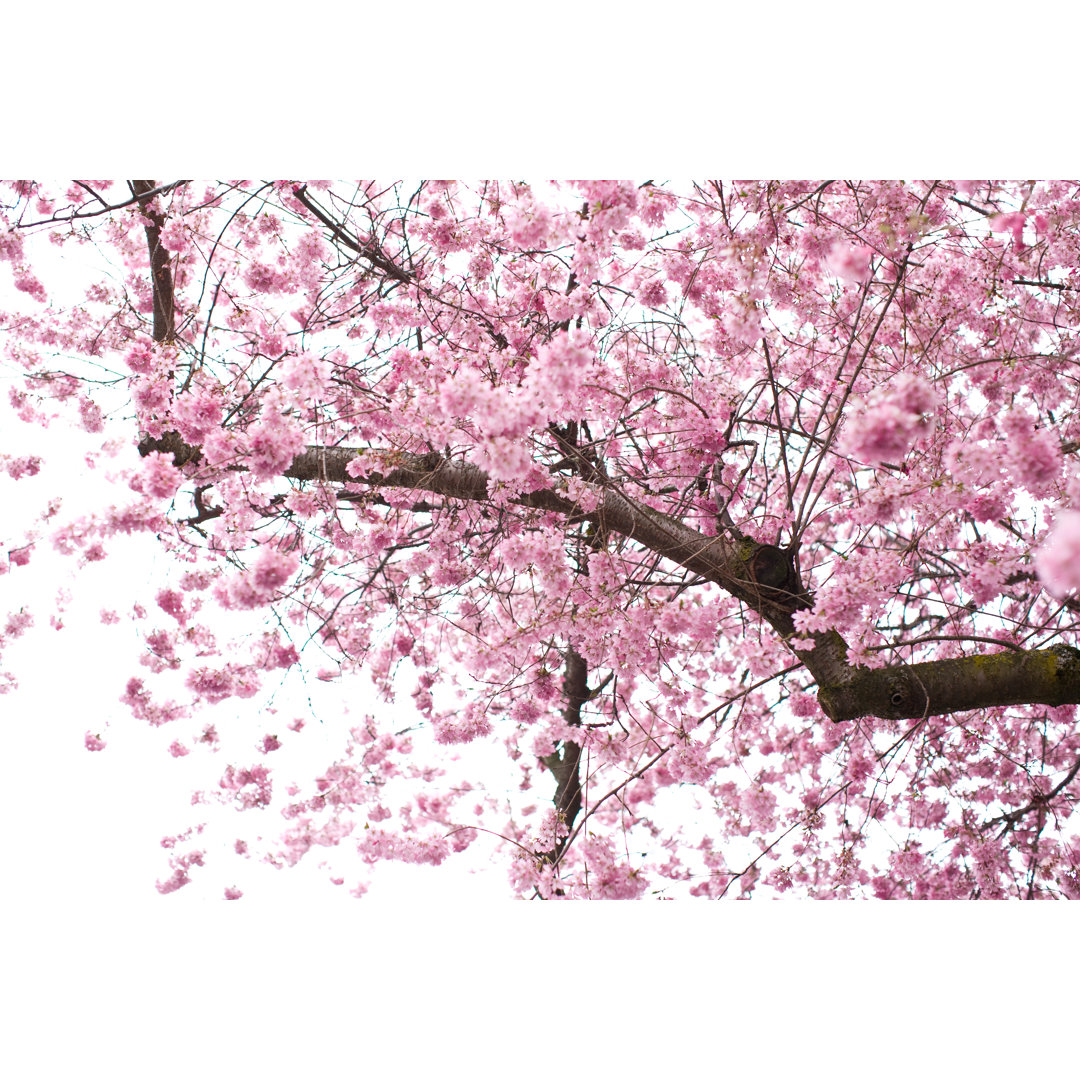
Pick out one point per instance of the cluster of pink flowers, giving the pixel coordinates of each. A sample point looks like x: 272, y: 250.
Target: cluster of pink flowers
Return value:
x: 268, y: 575
x: 180, y: 877
x: 307, y: 375
x: 378, y: 844
x: 478, y: 317
x: 850, y: 262
x: 1057, y: 561
x: 18, y: 623
x: 609, y: 877
x: 529, y: 226
x: 19, y: 467
x: 463, y: 726
x: 196, y: 413
x: 252, y: 787
x: 885, y: 427
x: 688, y: 762
x: 1034, y: 457
x: 142, y: 706
x: 273, y: 443
x: 216, y: 684
x: 172, y: 603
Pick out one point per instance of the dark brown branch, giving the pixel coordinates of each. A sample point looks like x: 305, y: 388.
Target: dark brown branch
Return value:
x: 367, y: 250
x: 565, y: 762
x: 911, y: 691
x: 756, y: 574
x: 106, y: 208
x: 160, y: 272
x: 1045, y: 284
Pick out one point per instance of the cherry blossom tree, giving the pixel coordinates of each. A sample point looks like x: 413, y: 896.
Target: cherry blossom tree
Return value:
x: 745, y: 516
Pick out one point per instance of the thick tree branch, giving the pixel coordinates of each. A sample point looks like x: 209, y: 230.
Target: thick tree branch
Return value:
x: 910, y: 691
x: 160, y: 272
x: 565, y: 762
x: 757, y: 574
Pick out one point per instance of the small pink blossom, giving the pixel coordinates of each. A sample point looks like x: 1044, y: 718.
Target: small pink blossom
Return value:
x: 159, y: 478
x: 460, y: 727
x: 152, y: 394
x: 18, y: 623
x: 252, y: 787
x: 269, y: 572
x: 213, y: 685
x: 1057, y: 562
x: 608, y: 878
x: 273, y: 443
x: 91, y: 415
x: 11, y: 245
x: 17, y: 468
x: 1011, y: 223
x: 94, y: 742
x: 307, y: 375
x: 743, y: 324
x: 180, y: 876
x: 281, y: 655
x: 1034, y: 457
x: 850, y: 263
x: 529, y: 225
x: 887, y: 425
x: 27, y: 283
x: 653, y: 293
x: 172, y: 603
x: 505, y: 460
x: 375, y: 844
x: 195, y: 414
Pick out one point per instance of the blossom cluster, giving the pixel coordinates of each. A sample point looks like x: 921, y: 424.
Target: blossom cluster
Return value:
x: 884, y: 427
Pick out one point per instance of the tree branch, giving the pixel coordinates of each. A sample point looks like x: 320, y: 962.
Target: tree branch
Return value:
x: 565, y: 762
x: 368, y: 251
x: 759, y: 575
x: 160, y: 273
x: 912, y: 691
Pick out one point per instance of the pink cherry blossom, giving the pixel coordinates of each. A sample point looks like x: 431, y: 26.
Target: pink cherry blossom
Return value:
x: 19, y: 467
x: 850, y: 263
x: 1058, y: 559
x: 269, y: 573
x: 886, y: 426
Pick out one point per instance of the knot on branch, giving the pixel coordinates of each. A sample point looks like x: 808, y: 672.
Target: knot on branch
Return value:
x: 1068, y: 660
x: 170, y: 443
x: 895, y: 693
x: 772, y: 570
x: 905, y: 696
